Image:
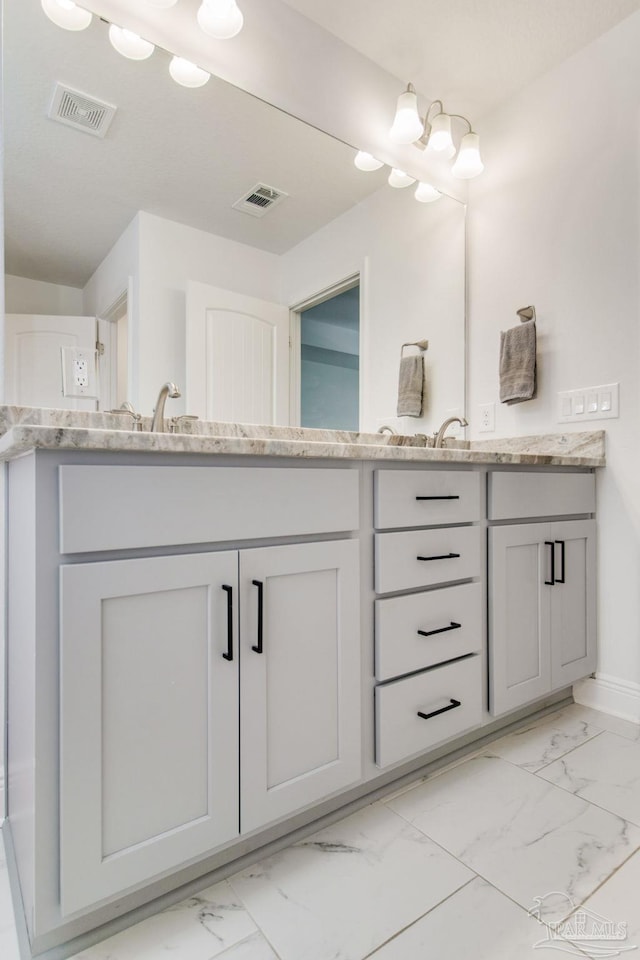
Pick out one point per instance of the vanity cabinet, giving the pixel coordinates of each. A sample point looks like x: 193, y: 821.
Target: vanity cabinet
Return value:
x: 166, y: 708
x: 542, y: 617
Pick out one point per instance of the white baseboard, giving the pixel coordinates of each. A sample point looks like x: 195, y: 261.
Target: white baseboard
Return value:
x: 617, y: 697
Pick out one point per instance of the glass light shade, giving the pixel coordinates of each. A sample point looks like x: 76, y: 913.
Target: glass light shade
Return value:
x: 66, y: 14
x: 440, y: 139
x: 468, y: 162
x: 187, y: 74
x: 425, y: 193
x: 220, y: 19
x: 162, y: 4
x: 398, y: 178
x: 407, y: 125
x: 129, y: 44
x: 365, y: 161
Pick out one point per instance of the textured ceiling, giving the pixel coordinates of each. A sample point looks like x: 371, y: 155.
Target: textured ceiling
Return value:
x: 471, y: 53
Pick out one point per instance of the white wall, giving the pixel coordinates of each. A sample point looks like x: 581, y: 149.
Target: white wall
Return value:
x: 170, y: 255
x: 35, y: 296
x: 554, y: 221
x: 412, y: 255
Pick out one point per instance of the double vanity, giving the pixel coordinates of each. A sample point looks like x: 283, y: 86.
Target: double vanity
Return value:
x: 217, y: 638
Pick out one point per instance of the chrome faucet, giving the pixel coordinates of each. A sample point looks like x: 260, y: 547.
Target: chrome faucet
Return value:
x: 385, y: 428
x: 439, y: 434
x: 167, y: 390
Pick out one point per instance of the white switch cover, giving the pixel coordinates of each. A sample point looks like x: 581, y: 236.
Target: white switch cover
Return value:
x: 589, y: 403
x: 487, y: 418
x: 79, y: 372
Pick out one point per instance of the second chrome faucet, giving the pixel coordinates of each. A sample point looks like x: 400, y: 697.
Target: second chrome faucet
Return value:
x: 168, y: 389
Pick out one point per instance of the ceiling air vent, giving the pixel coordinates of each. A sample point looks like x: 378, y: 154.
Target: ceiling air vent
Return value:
x: 81, y: 111
x: 259, y: 199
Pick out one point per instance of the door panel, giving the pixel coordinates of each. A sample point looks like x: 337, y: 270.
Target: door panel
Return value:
x: 149, y: 706
x: 33, y: 370
x: 573, y: 605
x: 300, y: 697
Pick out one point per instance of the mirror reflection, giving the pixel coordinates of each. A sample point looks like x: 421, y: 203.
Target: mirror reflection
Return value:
x: 206, y: 238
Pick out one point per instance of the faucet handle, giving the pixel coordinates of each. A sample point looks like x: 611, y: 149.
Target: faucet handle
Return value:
x: 185, y: 420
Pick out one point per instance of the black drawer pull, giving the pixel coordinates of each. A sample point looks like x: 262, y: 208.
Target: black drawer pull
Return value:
x: 259, y: 584
x: 453, y: 496
x: 431, y: 633
x: 561, y: 579
x: 229, y: 591
x: 444, y: 556
x: 435, y: 713
x: 550, y: 543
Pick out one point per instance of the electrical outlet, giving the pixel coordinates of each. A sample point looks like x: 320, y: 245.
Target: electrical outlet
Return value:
x: 79, y: 372
x: 487, y: 413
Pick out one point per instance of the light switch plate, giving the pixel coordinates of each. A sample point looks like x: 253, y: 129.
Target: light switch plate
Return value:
x: 79, y: 372
x: 589, y: 403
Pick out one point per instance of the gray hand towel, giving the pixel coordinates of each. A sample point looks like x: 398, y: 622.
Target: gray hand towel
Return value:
x: 411, y: 386
x: 518, y: 363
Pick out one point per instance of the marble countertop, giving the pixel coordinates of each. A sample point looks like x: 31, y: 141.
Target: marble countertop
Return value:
x: 23, y: 429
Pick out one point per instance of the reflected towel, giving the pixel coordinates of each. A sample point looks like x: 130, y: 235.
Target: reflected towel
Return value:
x: 411, y: 386
x: 518, y: 363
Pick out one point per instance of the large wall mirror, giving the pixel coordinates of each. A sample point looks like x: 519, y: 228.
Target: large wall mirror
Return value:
x: 148, y: 230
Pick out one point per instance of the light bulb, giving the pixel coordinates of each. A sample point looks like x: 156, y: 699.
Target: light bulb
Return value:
x: 220, y: 19
x: 66, y: 14
x: 129, y: 44
x: 398, y: 178
x: 425, y: 193
x: 365, y: 161
x: 407, y: 125
x: 162, y: 4
x: 468, y: 162
x: 187, y: 74
x: 440, y: 139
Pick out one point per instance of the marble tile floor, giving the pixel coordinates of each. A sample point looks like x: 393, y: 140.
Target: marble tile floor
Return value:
x: 529, y: 846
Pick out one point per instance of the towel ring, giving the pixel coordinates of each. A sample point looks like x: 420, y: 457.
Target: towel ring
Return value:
x: 527, y: 313
x: 420, y: 344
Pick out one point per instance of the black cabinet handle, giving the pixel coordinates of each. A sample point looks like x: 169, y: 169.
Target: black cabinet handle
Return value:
x: 453, y: 496
x: 561, y: 579
x: 550, y: 543
x: 229, y: 592
x: 259, y: 584
x: 431, y: 633
x: 444, y: 556
x: 435, y: 713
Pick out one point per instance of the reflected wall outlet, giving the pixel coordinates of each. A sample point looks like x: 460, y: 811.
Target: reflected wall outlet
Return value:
x: 79, y: 372
x: 487, y: 417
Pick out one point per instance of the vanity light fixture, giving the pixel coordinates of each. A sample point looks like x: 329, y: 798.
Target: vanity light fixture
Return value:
x: 400, y: 179
x: 425, y: 193
x: 187, y: 74
x: 220, y: 19
x: 435, y: 134
x: 66, y: 14
x: 365, y: 161
x: 129, y: 44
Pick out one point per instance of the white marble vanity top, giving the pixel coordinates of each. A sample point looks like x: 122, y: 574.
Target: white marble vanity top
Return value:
x: 28, y: 428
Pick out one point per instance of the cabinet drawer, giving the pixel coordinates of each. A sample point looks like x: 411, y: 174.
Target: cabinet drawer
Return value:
x: 450, y: 621
x: 523, y: 495
x: 400, y: 732
x: 424, y: 498
x: 120, y: 507
x: 449, y: 554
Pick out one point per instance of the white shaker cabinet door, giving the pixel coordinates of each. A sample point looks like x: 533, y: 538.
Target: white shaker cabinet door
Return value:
x: 519, y: 615
x: 300, y: 677
x: 149, y: 706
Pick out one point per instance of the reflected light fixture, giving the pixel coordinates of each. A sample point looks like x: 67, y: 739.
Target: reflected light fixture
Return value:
x: 425, y: 193
x: 66, y: 14
x: 187, y: 74
x: 220, y: 19
x: 399, y: 179
x: 129, y: 44
x: 365, y: 161
x: 407, y: 126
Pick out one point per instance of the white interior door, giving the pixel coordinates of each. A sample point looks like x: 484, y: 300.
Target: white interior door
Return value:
x: 237, y: 356
x: 33, y: 368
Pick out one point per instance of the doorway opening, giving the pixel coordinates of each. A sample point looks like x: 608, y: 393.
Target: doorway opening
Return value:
x: 113, y: 353
x: 329, y: 359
